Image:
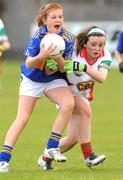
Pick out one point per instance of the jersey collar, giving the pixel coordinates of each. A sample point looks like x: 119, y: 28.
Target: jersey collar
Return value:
x: 83, y: 53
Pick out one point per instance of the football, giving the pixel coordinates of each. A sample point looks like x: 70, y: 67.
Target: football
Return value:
x: 56, y: 40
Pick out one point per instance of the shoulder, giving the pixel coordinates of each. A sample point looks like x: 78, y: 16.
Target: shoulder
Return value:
x: 107, y: 56
x: 121, y: 32
x: 120, y: 35
x: 106, y: 52
x: 36, y: 34
x: 34, y: 41
x: 68, y: 36
x: 37, y: 37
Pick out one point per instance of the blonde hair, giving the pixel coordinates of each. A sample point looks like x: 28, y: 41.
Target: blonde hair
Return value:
x: 45, y: 10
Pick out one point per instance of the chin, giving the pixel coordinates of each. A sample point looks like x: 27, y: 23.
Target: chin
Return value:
x: 57, y: 30
x: 96, y: 55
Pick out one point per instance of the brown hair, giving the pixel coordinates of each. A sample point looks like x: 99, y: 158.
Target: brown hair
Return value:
x: 45, y: 10
x: 82, y: 38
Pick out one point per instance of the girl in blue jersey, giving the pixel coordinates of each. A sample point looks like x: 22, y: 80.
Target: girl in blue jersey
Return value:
x: 119, y: 51
x: 34, y: 84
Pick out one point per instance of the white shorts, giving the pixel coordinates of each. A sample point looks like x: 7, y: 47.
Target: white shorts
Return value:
x: 36, y: 89
x: 76, y: 93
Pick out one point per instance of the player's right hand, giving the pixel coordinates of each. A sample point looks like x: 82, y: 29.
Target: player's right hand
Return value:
x: 121, y: 67
x: 46, y: 53
x: 51, y: 64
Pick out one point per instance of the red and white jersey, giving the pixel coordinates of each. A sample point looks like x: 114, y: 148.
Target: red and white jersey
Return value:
x: 80, y: 82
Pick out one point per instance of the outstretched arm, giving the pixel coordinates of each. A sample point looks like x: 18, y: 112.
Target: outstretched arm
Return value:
x: 98, y: 75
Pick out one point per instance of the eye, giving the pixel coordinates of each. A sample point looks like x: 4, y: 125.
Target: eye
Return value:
x: 53, y: 17
x: 60, y: 17
x: 93, y: 44
x: 101, y: 45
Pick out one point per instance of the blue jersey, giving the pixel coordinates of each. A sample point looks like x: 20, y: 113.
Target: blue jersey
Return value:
x: 120, y: 43
x: 32, y: 49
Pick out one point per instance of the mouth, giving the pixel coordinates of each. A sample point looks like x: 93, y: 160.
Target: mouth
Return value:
x: 96, y: 54
x: 57, y: 26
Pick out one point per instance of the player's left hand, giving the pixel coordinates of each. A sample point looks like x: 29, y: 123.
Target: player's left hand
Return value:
x: 121, y: 67
x: 51, y: 64
x: 71, y: 66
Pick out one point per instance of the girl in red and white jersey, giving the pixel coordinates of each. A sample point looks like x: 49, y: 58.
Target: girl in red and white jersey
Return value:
x: 90, y: 64
x: 95, y: 60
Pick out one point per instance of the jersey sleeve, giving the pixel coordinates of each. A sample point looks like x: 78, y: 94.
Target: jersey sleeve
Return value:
x: 69, y: 50
x: 106, y: 60
x: 32, y: 47
x: 69, y: 44
x: 120, y: 43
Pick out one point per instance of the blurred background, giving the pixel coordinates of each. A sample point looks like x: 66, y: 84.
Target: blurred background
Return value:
x: 107, y: 128
x: 19, y: 18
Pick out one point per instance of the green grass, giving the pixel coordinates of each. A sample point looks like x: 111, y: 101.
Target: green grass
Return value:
x: 107, y: 132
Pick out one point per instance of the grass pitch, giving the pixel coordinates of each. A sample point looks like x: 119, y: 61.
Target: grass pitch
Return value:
x: 107, y: 132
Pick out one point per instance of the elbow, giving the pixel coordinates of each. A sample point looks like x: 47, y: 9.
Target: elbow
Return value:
x: 101, y: 80
x: 102, y: 77
x: 27, y: 65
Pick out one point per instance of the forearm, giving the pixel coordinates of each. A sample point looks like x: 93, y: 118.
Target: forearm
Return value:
x: 118, y: 57
x: 60, y: 62
x: 98, y: 75
x: 33, y: 61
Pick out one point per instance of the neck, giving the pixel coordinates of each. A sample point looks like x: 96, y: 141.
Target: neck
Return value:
x: 90, y: 58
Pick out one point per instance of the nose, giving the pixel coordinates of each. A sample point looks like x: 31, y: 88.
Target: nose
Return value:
x: 58, y: 19
x: 97, y: 48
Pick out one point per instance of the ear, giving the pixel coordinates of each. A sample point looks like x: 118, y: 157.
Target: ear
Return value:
x: 44, y: 21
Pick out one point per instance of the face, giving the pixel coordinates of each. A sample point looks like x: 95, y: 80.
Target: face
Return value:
x: 94, y: 46
x: 54, y: 21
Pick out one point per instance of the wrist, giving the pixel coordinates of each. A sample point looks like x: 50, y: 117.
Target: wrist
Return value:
x: 80, y: 66
x: 85, y: 68
x: 39, y: 58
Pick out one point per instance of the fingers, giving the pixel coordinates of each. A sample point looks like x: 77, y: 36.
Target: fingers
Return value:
x: 51, y: 64
x: 49, y: 49
x: 51, y: 61
x: 52, y: 48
